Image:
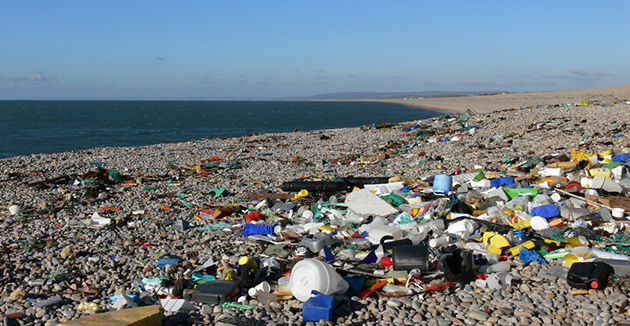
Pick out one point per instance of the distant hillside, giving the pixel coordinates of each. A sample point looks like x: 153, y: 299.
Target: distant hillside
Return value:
x: 383, y: 95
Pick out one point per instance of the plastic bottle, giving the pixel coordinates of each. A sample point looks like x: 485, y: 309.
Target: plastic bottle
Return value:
x: 499, y: 267
x: 267, y: 298
x: 440, y: 241
x: 376, y: 223
x: 519, y: 237
x: 515, y: 203
x: 388, y: 288
x: 556, y: 271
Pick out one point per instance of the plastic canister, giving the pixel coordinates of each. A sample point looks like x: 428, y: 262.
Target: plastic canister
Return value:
x: 442, y: 183
x: 411, y: 257
x: 319, y: 307
x: 377, y: 234
x: 618, y: 212
x: 252, y: 229
x: 462, y: 226
x: 438, y: 242
x: 319, y: 241
x: 311, y: 274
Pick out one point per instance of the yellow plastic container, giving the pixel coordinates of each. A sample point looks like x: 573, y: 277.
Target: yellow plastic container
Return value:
x: 576, y: 242
x: 576, y: 256
x: 516, y: 250
x: 601, y: 171
x: 524, y: 224
x: 248, y: 262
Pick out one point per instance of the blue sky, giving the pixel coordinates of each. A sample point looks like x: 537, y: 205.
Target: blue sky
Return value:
x: 156, y: 49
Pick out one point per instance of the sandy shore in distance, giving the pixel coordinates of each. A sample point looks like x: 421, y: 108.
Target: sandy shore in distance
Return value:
x: 489, y: 103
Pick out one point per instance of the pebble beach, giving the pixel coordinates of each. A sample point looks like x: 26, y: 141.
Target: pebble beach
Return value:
x: 50, y: 251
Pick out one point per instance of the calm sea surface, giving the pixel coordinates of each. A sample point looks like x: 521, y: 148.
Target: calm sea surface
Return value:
x: 28, y: 127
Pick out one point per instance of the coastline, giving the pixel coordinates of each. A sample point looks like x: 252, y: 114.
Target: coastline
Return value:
x: 506, y: 101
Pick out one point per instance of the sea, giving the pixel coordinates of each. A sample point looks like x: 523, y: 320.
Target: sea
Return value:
x: 28, y: 127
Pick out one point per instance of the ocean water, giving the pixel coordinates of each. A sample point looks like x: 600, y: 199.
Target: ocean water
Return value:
x: 28, y: 127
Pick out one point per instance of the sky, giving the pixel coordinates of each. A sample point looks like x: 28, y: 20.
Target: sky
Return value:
x: 269, y: 49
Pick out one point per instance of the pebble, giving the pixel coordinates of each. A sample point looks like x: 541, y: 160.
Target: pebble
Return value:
x: 479, y: 315
x: 109, y: 259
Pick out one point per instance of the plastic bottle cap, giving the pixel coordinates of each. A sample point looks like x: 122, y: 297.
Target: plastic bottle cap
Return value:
x: 594, y: 284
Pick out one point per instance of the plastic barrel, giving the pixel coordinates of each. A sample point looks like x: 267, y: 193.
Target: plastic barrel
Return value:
x: 442, y: 183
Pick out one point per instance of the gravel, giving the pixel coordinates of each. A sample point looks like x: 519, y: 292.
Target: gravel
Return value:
x: 48, y: 248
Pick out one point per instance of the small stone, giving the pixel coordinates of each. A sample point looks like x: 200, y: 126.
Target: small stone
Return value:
x: 67, y: 252
x: 479, y: 315
x: 522, y: 314
x: 394, y: 303
x: 406, y: 300
x: 18, y: 294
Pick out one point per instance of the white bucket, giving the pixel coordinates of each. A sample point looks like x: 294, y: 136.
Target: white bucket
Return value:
x: 311, y: 274
x: 618, y: 212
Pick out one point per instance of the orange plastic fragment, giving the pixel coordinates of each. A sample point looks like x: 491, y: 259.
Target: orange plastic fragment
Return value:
x: 439, y: 286
x: 109, y: 208
x: 369, y: 291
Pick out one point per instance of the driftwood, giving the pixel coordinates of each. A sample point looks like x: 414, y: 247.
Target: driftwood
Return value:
x: 611, y: 201
x: 64, y: 178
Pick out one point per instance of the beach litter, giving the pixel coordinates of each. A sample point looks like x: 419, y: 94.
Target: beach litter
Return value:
x: 462, y: 242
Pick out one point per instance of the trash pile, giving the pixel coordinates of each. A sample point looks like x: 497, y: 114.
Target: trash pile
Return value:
x: 339, y: 249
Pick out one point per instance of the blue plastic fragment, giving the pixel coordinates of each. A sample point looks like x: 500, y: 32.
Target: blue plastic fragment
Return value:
x: 529, y: 256
x: 370, y: 258
x: 133, y: 297
x: 546, y: 211
x: 201, y: 278
x: 167, y: 261
x: 329, y: 254
x: 355, y: 283
x: 251, y: 229
x: 624, y: 157
x: 319, y: 307
x: 502, y: 182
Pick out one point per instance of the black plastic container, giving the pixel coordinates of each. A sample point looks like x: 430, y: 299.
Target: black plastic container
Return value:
x: 457, y: 264
x: 214, y: 292
x: 315, y: 186
x: 361, y: 182
x: 389, y: 243
x: 411, y: 257
x: 338, y: 184
x: 591, y: 275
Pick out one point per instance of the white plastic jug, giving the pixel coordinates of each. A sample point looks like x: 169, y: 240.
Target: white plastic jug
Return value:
x: 311, y: 274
